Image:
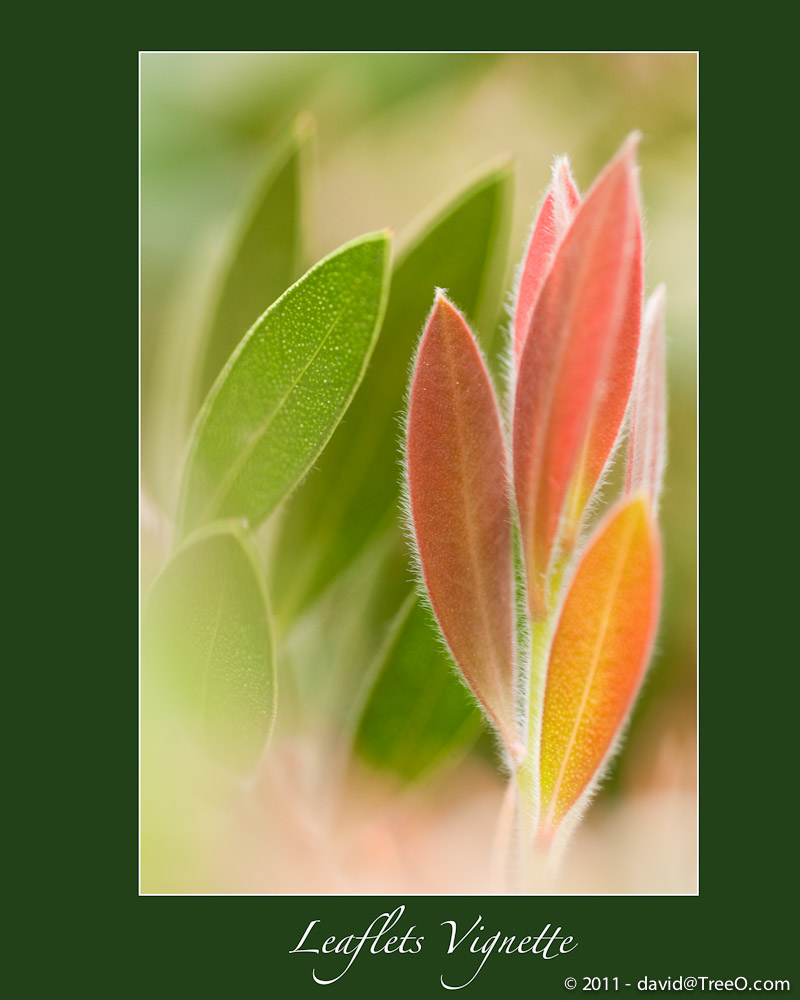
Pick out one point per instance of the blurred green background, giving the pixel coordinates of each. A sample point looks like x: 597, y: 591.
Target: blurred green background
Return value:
x: 397, y: 132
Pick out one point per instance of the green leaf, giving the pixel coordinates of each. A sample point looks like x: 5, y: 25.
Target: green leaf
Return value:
x: 327, y: 652
x: 281, y: 394
x: 206, y: 637
x: 265, y: 256
x: 218, y: 300
x: 418, y: 715
x: 354, y: 489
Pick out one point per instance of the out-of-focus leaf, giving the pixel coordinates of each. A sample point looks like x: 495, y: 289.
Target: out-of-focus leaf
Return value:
x: 220, y: 297
x: 600, y: 651
x: 167, y: 392
x: 206, y: 636
x: 647, y: 452
x: 280, y: 396
x: 327, y: 651
x: 265, y: 256
x: 577, y: 368
x: 460, y: 510
x: 354, y: 488
x: 417, y: 714
x: 557, y: 211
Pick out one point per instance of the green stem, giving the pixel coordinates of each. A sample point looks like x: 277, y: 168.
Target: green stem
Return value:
x: 528, y: 778
x: 528, y: 773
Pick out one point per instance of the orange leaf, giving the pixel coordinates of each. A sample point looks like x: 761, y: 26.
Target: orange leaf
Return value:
x: 600, y: 651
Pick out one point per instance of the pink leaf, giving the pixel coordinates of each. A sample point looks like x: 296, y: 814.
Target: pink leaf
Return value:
x: 647, y: 450
x: 577, y: 367
x: 458, y: 491
x: 555, y: 215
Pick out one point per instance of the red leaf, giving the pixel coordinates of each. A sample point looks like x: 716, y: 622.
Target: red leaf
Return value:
x: 577, y: 368
x: 458, y: 490
x: 600, y: 651
x: 555, y: 215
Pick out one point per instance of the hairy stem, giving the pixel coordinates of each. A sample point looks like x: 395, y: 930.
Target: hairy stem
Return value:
x: 528, y: 781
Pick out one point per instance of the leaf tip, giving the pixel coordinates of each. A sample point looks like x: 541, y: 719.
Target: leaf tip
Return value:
x: 562, y: 172
x: 659, y: 296
x: 631, y: 145
x: 384, y: 236
x: 443, y: 306
x: 506, y: 165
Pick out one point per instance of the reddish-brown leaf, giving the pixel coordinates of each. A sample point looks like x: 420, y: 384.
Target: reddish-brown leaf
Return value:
x: 600, y: 651
x: 577, y: 367
x: 458, y: 490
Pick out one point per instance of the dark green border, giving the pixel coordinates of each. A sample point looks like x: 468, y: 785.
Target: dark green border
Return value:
x: 736, y: 925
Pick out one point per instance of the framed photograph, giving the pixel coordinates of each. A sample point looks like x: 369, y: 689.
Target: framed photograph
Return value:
x: 418, y: 476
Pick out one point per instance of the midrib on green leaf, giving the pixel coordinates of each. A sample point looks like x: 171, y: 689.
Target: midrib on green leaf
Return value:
x: 241, y: 460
